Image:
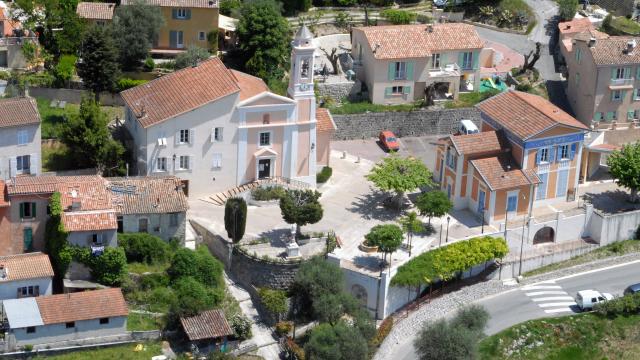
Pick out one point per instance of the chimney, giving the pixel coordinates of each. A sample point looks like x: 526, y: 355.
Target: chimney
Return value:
x: 430, y: 28
x: 592, y: 42
x: 3, y: 272
x: 631, y: 44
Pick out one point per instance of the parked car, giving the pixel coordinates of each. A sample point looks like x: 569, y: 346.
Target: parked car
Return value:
x: 439, y: 3
x: 467, y: 127
x: 389, y: 141
x: 632, y: 289
x: 587, y: 299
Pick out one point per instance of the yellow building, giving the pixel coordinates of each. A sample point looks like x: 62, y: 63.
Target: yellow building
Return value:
x: 186, y: 23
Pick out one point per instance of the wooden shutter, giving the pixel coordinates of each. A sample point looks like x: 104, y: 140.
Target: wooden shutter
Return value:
x: 572, y: 154
x: 192, y: 137
x: 388, y: 91
x: 552, y: 154
x: 13, y: 164
x: 392, y: 71
x: 21, y: 210
x: 461, y: 59
x: 174, y: 13
x: 177, y: 137
x: 410, y: 66
x: 188, y: 14
x: 173, y: 39
x: 476, y: 59
x: 33, y: 209
x: 538, y: 156
x: 406, y: 90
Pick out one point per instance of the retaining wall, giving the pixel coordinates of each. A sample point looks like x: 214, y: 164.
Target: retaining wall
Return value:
x: 606, y: 229
x: 409, y: 123
x: 73, y: 96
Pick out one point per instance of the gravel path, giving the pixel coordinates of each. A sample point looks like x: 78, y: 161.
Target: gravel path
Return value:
x: 406, y: 328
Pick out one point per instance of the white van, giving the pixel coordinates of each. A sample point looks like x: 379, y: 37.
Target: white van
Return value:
x: 586, y: 299
x: 467, y: 127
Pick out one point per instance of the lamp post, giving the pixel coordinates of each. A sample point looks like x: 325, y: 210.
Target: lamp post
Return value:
x: 446, y: 240
x: 525, y: 221
x: 440, y: 242
x: 482, y: 225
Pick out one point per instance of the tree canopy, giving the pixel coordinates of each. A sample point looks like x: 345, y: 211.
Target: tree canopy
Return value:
x: 624, y: 166
x: 263, y: 34
x: 400, y: 175
x: 387, y: 238
x: 314, y: 279
x: 434, y: 204
x: 567, y: 9
x: 198, y: 264
x: 99, y: 66
x: 301, y: 207
x: 136, y: 26
x: 336, y: 342
x: 191, y: 57
x: 235, y: 218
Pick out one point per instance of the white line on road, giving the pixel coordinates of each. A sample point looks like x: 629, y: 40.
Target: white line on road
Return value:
x: 552, y: 298
x: 551, y: 292
x: 566, y: 303
x: 540, y: 287
x: 592, y: 271
x: 553, y: 311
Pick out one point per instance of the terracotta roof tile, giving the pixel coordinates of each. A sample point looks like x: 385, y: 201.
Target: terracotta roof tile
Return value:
x: 89, y: 220
x: 250, y: 85
x: 608, y: 147
x: 209, y: 324
x: 95, y: 10
x: 178, y: 3
x: 90, y: 194
x: 18, y: 111
x: 147, y: 195
x: 501, y: 172
x: 86, y: 305
x: 613, y: 51
x: 24, y: 185
x: 4, y: 199
x: 180, y: 92
x: 526, y: 115
x: 26, y: 266
x: 575, y: 26
x: 324, y: 120
x: 413, y: 41
x: 590, y: 33
x: 483, y: 142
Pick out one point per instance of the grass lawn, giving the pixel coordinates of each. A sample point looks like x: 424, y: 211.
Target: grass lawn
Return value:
x: 363, y: 107
x: 615, y: 249
x: 52, y: 118
x: 56, y: 157
x: 469, y: 99
x: 115, y: 352
x: 141, y: 268
x: 623, y: 26
x: 144, y: 322
x: 584, y: 336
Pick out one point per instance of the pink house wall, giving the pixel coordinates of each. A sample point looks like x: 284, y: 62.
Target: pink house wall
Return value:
x: 277, y: 138
x: 303, y: 150
x: 275, y: 117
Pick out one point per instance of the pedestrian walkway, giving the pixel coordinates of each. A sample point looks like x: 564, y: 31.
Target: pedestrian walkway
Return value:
x: 550, y: 297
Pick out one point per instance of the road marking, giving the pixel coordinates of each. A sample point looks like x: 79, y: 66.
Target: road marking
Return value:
x: 589, y: 272
x: 565, y: 303
x: 553, y: 311
x: 552, y: 298
x: 552, y: 292
x: 540, y: 287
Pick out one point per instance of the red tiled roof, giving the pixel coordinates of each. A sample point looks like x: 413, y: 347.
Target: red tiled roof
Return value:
x: 180, y: 92
x: 178, y: 3
x: 324, y: 121
x: 250, y: 85
x: 483, y: 142
x: 95, y: 10
x: 89, y: 220
x: 526, y: 115
x: 18, y: 111
x: 416, y: 41
x: 26, y: 266
x: 147, y: 195
x: 209, y: 324
x: 4, y: 199
x: 502, y: 172
x: 24, y: 185
x: 613, y: 51
x: 86, y: 305
x: 575, y: 26
x: 607, y: 147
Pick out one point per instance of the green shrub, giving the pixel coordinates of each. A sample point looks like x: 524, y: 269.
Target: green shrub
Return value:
x: 275, y: 301
x: 424, y: 19
x: 169, y: 65
x: 284, y: 327
x: 143, y: 247
x: 526, y: 87
x: 383, y: 331
x: 192, y: 297
x: 27, y: 347
x: 152, y: 281
x: 108, y: 268
x: 5, y: 75
x: 398, y: 17
x: 228, y: 7
x: 235, y: 218
x: 625, y: 305
x: 267, y: 193
x: 198, y: 264
x: 241, y: 326
x: 324, y: 175
x: 64, y: 70
x: 149, y: 64
x: 126, y: 83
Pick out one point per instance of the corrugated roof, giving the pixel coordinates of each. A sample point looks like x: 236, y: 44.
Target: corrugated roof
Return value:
x: 84, y: 305
x: 147, y: 195
x: 95, y: 10
x: 209, y: 324
x: 22, y: 313
x: 324, y: 120
x: 18, y: 111
x: 177, y: 3
x: 526, y: 115
x: 417, y: 41
x: 180, y: 92
x: 26, y: 266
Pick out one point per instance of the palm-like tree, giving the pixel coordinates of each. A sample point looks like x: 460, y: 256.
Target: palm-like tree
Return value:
x: 410, y: 225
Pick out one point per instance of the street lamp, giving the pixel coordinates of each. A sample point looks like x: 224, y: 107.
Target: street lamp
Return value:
x: 440, y: 243
x: 447, y: 237
x: 482, y: 225
x: 525, y: 221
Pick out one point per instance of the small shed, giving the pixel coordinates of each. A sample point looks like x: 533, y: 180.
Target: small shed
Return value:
x: 209, y: 328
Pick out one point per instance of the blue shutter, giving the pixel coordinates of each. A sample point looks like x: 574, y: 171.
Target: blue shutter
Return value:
x: 392, y: 71
x: 174, y: 13
x: 461, y: 59
x: 538, y: 156
x: 476, y: 59
x: 613, y: 73
x: 388, y: 91
x: 173, y: 39
x: 406, y: 90
x: 552, y: 154
x: 410, y: 70
x: 573, y: 151
x: 627, y: 73
x: 188, y: 14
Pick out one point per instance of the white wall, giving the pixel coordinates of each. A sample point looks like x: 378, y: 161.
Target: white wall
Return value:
x: 9, y: 148
x: 162, y: 222
x: 82, y: 330
x: 606, y: 229
x: 81, y: 238
x: 9, y: 290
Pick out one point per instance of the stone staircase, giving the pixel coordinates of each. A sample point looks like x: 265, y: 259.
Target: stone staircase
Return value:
x: 221, y: 198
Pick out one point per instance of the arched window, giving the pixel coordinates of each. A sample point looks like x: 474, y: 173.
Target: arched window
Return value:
x: 544, y: 235
x: 304, y: 68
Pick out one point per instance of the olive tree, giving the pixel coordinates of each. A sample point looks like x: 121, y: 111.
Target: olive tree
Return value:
x: 400, y: 175
x: 624, y: 166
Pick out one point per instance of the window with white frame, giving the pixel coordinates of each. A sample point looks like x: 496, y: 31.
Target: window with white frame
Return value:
x: 184, y: 136
x: 184, y: 162
x: 435, y: 61
x: 452, y: 160
x: 23, y: 137
x: 202, y: 36
x: 618, y: 73
x: 467, y: 60
x: 217, y: 161
x: 217, y: 134
x: 28, y: 291
x: 265, y: 138
x: 397, y: 90
x: 616, y: 95
x: 181, y: 13
x: 23, y: 164
x: 544, y: 155
x: 564, y: 151
x: 400, y: 70
x: 161, y: 164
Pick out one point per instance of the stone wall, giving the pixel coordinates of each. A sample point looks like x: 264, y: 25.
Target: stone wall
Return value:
x: 338, y: 91
x: 410, y: 123
x: 73, y: 96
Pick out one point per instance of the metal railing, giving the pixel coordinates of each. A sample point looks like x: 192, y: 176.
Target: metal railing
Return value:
x: 447, y: 70
x: 621, y: 82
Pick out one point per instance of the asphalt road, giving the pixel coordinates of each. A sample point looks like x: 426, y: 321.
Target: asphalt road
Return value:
x: 547, y: 299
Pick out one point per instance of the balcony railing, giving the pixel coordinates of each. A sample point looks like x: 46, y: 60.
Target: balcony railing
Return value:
x: 447, y: 70
x: 621, y: 82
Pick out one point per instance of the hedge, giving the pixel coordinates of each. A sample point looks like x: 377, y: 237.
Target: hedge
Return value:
x: 126, y: 83
x: 398, y: 17
x: 144, y: 248
x: 444, y: 262
x: 626, y: 305
x: 383, y: 331
x: 324, y: 175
